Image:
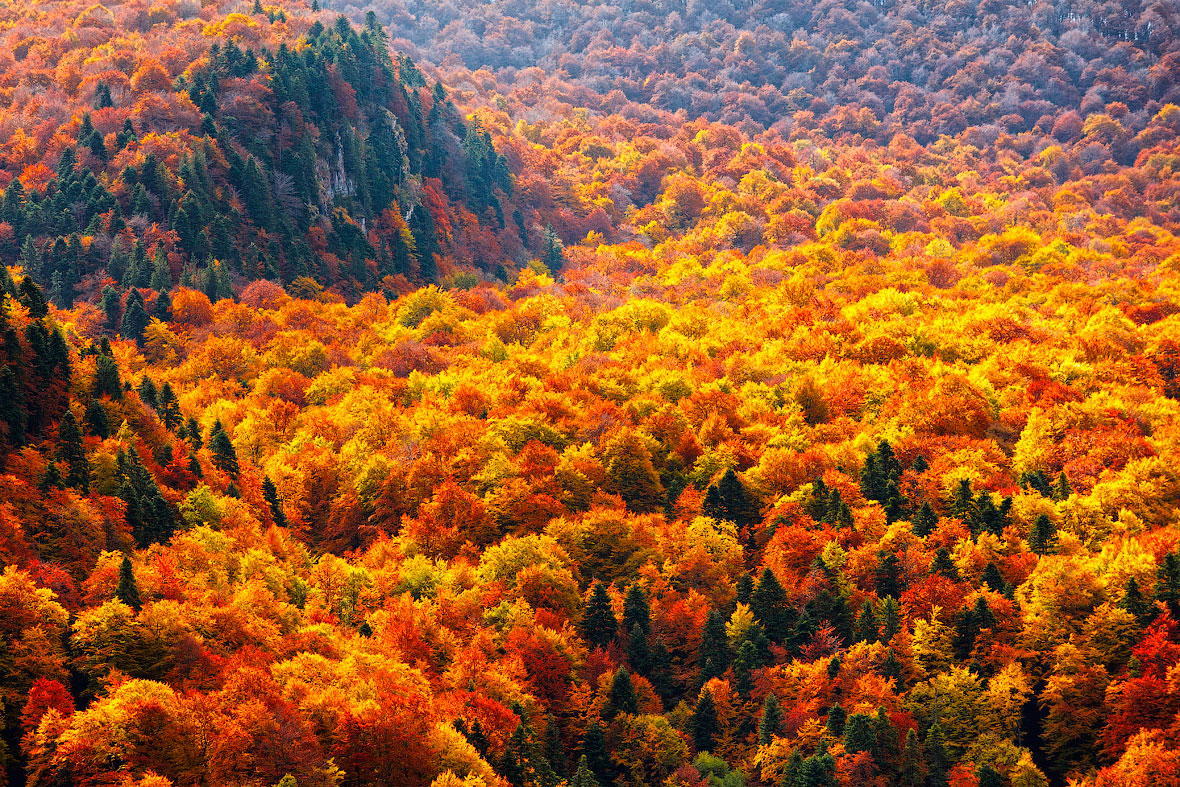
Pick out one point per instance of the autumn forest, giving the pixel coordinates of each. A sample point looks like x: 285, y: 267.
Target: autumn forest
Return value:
x: 542, y: 393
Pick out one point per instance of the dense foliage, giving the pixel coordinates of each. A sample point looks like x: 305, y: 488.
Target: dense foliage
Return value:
x: 195, y: 145
x: 847, y: 65
x: 783, y: 457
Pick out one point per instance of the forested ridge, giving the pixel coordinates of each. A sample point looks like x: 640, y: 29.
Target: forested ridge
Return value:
x: 369, y: 416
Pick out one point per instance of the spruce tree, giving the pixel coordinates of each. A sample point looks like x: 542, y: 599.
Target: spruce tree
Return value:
x: 837, y: 716
x: 1134, y: 602
x: 1062, y: 489
x: 594, y: 752
x: 106, y: 378
x: 713, y: 657
x: 148, y: 393
x: 989, y: 777
x: 925, y: 520
x: 222, y: 448
x: 30, y: 295
x: 771, y: 719
x: 127, y: 590
x: 135, y: 316
x: 703, y: 724
x: 1042, y: 538
x: 744, y: 588
x: 13, y: 414
x: 963, y: 502
x: 598, y: 622
x: 621, y: 696
x: 992, y: 578
x: 942, y: 564
x: 636, y: 610
x: 271, y: 494
x: 938, y: 762
x: 729, y: 499
x: 887, y: 575
x: 1167, y: 584
x: 867, y: 629
x: 70, y: 451
x: 744, y: 663
x: 768, y: 603
x: 168, y: 407
x: 859, y: 734
x: 97, y: 422
x: 583, y: 776
x: 638, y: 651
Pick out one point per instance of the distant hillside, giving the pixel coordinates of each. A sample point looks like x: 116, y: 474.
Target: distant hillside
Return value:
x: 871, y: 68
x: 197, y: 145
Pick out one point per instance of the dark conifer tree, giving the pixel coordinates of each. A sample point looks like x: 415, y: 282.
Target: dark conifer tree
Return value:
x: 599, y: 625
x: 1042, y: 538
x: 127, y: 590
x: 70, y: 451
x: 770, y: 721
x: 713, y: 657
x: 106, y: 378
x: 703, y: 724
x: 222, y: 449
x: 621, y: 696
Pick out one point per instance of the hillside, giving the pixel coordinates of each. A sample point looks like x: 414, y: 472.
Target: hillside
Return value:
x: 711, y: 452
x: 199, y: 145
x: 846, y: 66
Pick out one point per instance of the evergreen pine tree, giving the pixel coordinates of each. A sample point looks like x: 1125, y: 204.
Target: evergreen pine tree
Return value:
x: 771, y: 720
x: 552, y: 250
x: 992, y: 578
x: 30, y: 295
x: 912, y: 772
x: 135, y: 316
x: 636, y: 610
x: 938, y: 762
x: 925, y: 520
x: 989, y: 777
x: 837, y: 716
x: 13, y: 414
x: 866, y: 624
x: 1042, y: 538
x: 168, y: 407
x: 713, y: 656
x: 127, y: 590
x: 96, y: 420
x: 638, y: 652
x: 106, y: 378
x: 860, y: 734
x: 1062, y: 489
x: 887, y: 575
x: 102, y: 96
x: 111, y: 307
x: 1167, y: 584
x: 271, y: 494
x: 222, y: 448
x: 1134, y: 602
x: 942, y: 564
x: 598, y: 622
x: 52, y: 478
x: 70, y: 451
x: 703, y: 724
x: 963, y: 501
x: 768, y: 603
x: 594, y: 752
x: 621, y: 696
x: 583, y: 776
x: 744, y: 663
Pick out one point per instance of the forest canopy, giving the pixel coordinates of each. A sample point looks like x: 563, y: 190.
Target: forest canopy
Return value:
x: 539, y: 395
